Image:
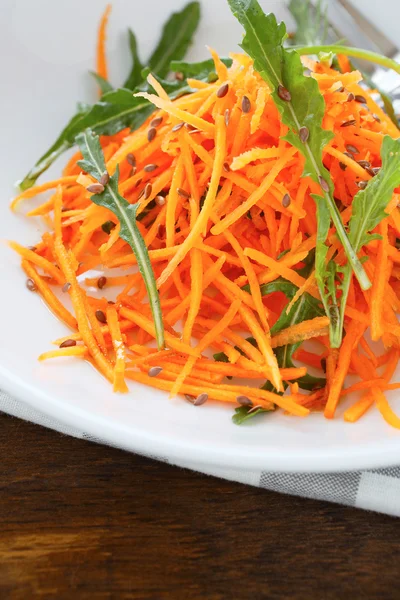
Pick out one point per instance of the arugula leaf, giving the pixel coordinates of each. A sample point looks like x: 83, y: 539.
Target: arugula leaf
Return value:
x: 368, y: 208
x: 204, y: 70
x: 312, y: 21
x: 135, y: 76
x: 244, y: 413
x: 301, y: 107
x: 104, y: 85
x: 94, y: 164
x: 175, y: 38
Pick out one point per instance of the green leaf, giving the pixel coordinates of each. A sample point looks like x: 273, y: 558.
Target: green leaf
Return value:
x: 368, y: 208
x: 94, y: 164
x: 244, y: 413
x: 311, y: 21
x: 204, y: 70
x: 282, y: 69
x: 104, y: 85
x: 135, y: 76
x: 306, y: 307
x: 175, y: 39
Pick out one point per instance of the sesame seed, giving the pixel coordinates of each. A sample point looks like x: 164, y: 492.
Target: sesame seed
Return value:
x: 101, y: 282
x: 352, y: 149
x: 189, y: 398
x: 178, y: 126
x: 350, y: 97
x: 304, y: 134
x: 183, y: 193
x: 286, y: 201
x: 68, y: 344
x: 156, y: 122
x: 361, y: 99
x: 348, y: 123
x: 150, y: 167
x: 95, y: 188
x: 132, y: 172
x: 227, y: 116
x: 223, y: 90
x: 201, y: 399
x: 139, y: 181
x: 151, y: 134
x: 105, y: 178
x: 226, y: 167
x: 362, y: 184
x: 323, y: 184
x: 66, y: 287
x: 244, y: 401
x: 364, y: 163
x: 283, y: 93
x: 154, y: 371
x: 131, y: 160
x: 31, y: 285
x: 100, y: 316
x: 246, y: 105
x: 370, y: 171
x: 342, y: 166
x: 147, y: 190
x: 160, y: 200
x: 376, y: 170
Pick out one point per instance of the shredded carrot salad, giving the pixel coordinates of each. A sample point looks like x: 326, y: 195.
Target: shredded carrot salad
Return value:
x: 224, y: 212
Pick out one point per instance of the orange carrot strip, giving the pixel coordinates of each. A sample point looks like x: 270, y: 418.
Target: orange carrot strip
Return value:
x: 118, y: 344
x: 302, y: 331
x: 39, y: 261
x: 72, y: 351
x: 101, y: 63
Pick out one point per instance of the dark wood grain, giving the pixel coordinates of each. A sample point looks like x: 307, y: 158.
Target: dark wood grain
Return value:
x: 78, y: 520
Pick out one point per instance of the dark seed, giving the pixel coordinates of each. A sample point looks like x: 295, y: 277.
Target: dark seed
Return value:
x: 31, y: 248
x: 348, y: 123
x: 226, y: 167
x: 201, y: 399
x: 362, y: 184
x: 156, y: 122
x: 376, y: 118
x: 64, y: 209
x: 376, y: 170
x: 110, y: 302
x: 370, y: 171
x: 284, y: 94
x: 227, y: 116
x: 178, y: 126
x: 179, y: 76
x: 101, y: 282
x: 151, y: 134
x: 150, y: 167
x: 131, y: 159
x: 108, y: 226
x: 139, y: 181
x: 154, y: 371
x: 100, y: 316
x: 246, y: 105
x: 68, y: 344
x: 350, y: 97
x: 147, y: 190
x: 31, y: 285
x: 105, y: 178
x: 95, y: 188
x: 189, y: 398
x: 160, y: 200
x: 323, y: 364
x: 141, y: 195
x: 361, y: 99
x: 352, y: 149
x: 183, y: 193
x: 286, y: 201
x: 364, y: 163
x: 341, y: 89
x: 161, y: 230
x: 223, y: 90
x: 323, y: 184
x: 66, y: 287
x: 342, y: 166
x: 132, y: 172
x: 189, y: 127
x: 244, y: 401
x: 304, y: 134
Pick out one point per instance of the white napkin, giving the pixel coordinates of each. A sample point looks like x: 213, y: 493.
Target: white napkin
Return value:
x: 377, y: 490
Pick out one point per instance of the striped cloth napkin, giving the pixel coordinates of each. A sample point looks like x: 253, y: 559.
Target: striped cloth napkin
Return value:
x: 377, y: 490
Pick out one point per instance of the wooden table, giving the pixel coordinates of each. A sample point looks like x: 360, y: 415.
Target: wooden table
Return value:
x: 78, y: 520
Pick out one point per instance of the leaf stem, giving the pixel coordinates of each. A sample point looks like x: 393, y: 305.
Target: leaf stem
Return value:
x: 373, y: 57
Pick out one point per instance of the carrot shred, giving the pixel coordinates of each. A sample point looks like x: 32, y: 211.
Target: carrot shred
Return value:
x: 101, y: 62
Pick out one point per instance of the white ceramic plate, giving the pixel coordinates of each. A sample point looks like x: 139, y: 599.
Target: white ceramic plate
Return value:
x: 46, y: 48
